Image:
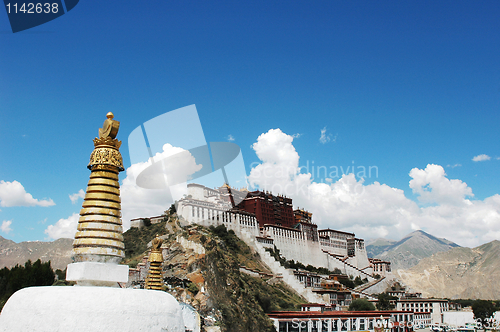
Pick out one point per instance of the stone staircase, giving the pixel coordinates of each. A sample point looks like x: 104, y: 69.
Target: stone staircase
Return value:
x: 351, y: 269
x: 362, y: 288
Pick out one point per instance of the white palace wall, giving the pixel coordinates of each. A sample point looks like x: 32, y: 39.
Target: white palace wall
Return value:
x: 205, y: 214
x: 292, y: 244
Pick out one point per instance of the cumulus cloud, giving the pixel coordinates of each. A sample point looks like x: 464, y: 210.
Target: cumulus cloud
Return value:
x: 481, y: 157
x: 14, y: 194
x: 63, y: 228
x: 453, y: 166
x: 446, y: 206
x: 74, y: 197
x: 6, y: 226
x: 139, y: 202
x: 432, y: 186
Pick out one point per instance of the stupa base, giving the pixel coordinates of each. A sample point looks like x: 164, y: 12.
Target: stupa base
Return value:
x: 83, y: 309
x: 97, y: 274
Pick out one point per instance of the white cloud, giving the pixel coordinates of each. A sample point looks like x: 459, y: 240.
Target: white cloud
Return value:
x: 324, y: 138
x: 453, y: 166
x: 6, y: 226
x: 481, y: 157
x: 377, y: 210
x: 63, y: 228
x: 230, y: 138
x: 14, y: 194
x: 140, y: 202
x: 297, y: 135
x: 74, y: 197
x: 432, y: 186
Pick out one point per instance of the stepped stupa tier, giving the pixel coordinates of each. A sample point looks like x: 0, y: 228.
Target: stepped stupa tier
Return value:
x: 154, y: 279
x: 100, y: 234
x: 98, y: 246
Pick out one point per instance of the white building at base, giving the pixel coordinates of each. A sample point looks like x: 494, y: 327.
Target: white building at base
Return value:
x: 436, y: 307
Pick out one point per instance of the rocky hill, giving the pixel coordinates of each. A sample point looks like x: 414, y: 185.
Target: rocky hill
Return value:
x: 58, y: 252
x: 218, y: 274
x: 460, y: 273
x: 408, y: 251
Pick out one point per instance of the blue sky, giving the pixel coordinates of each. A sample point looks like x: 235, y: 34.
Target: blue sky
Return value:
x: 396, y: 85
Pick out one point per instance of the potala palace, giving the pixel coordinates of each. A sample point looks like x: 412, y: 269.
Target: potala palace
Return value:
x: 266, y: 220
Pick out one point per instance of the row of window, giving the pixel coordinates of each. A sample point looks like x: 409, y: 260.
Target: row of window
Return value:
x: 225, y: 216
x: 335, y: 235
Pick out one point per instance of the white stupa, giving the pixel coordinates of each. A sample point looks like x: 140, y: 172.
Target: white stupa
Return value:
x: 96, y: 302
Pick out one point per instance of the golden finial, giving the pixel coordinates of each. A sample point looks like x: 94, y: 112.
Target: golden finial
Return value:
x: 156, y: 244
x: 110, y: 127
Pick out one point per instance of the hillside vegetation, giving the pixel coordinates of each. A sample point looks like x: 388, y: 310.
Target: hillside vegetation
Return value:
x: 136, y: 240
x: 242, y: 300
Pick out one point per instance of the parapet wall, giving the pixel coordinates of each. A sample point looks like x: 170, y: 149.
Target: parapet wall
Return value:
x: 208, y: 216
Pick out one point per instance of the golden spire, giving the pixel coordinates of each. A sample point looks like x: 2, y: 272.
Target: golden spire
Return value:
x: 99, y: 237
x: 154, y: 279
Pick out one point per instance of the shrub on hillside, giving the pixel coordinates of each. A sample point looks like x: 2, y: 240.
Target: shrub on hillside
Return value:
x: 361, y: 305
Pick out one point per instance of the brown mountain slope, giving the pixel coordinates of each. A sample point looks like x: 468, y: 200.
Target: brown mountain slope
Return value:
x: 408, y: 251
x: 58, y: 252
x: 458, y: 273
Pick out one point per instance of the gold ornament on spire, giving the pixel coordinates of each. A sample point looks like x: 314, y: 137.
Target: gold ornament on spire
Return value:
x: 99, y: 236
x: 154, y: 280
x: 110, y: 127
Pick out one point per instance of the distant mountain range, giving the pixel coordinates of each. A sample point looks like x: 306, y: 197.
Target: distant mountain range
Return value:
x: 458, y: 273
x: 58, y: 252
x: 407, y: 252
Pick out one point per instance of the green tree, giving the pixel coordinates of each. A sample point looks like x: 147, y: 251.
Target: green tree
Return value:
x: 172, y: 209
x: 361, y: 305
x: 358, y: 281
x: 61, y: 275
x: 349, y: 283
x: 384, y: 301
x: 31, y: 274
x: 482, y: 310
